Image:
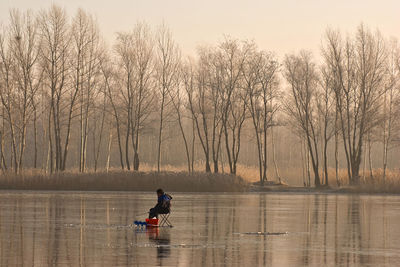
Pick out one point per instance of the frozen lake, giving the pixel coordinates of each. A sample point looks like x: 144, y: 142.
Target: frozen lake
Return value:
x: 95, y: 229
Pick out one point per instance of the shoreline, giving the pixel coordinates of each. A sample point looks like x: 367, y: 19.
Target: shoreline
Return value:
x: 354, y: 190
x: 267, y: 190
x: 125, y: 181
x: 136, y: 181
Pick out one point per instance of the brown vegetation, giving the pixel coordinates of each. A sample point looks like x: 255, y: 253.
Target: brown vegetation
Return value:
x: 368, y: 184
x: 125, y: 181
x: 377, y: 183
x: 175, y: 178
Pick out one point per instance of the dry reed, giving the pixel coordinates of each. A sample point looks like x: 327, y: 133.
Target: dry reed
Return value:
x: 174, y: 178
x: 125, y: 181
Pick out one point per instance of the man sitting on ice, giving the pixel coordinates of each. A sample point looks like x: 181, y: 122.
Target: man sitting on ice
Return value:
x: 163, y: 204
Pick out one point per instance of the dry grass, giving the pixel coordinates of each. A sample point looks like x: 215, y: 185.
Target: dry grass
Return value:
x: 368, y: 184
x: 376, y: 183
x: 125, y: 181
x: 175, y: 178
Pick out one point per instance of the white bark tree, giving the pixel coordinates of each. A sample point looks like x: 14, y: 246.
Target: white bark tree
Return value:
x: 85, y: 55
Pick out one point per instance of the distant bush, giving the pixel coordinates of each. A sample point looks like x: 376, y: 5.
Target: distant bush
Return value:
x: 125, y: 181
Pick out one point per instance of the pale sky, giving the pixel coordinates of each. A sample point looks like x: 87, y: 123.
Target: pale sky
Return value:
x: 281, y: 26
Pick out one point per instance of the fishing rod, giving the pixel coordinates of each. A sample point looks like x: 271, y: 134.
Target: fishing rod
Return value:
x: 141, y: 214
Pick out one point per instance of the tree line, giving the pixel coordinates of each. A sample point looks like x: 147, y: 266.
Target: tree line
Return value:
x: 59, y: 78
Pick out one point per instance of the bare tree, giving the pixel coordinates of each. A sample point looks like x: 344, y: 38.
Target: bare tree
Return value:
x: 358, y: 66
x: 203, y: 84
x: 54, y: 54
x: 326, y: 109
x: 391, y: 99
x: 3, y: 163
x: 85, y: 64
x: 135, y: 54
x: 177, y: 100
x: 260, y: 75
x: 22, y: 79
x: 301, y: 75
x: 167, y: 68
x: 336, y: 134
x: 212, y: 84
x: 193, y: 78
x: 124, y: 51
x: 103, y: 112
x: 111, y: 89
x: 231, y: 57
x: 143, y: 93
x: 7, y: 93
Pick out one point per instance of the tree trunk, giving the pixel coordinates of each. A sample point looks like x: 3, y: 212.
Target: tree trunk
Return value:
x: 35, y: 156
x: 85, y: 140
x: 185, y: 142
x: 22, y: 145
x: 2, y: 161
x: 136, y: 160
x: 128, y: 130
x: 369, y: 158
x: 50, y: 153
x: 160, y: 133
x: 14, y: 148
x: 109, y: 151
x: 326, y: 163
x: 193, y: 143
x: 120, y: 145
x: 3, y: 158
x: 228, y: 153
x: 208, y: 168
x: 81, y: 144
x: 265, y: 162
x: 67, y: 137
x: 308, y: 165
x: 303, y: 163
x: 96, y: 159
x: 336, y: 150
x: 121, y: 159
x: 273, y: 156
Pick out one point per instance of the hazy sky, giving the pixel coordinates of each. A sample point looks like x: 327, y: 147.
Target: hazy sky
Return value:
x: 277, y: 25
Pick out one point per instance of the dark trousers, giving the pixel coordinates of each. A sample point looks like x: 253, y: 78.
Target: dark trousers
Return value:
x: 157, y: 210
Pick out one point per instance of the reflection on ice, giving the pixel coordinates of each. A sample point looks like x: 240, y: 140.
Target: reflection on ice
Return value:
x: 95, y: 229
x: 97, y: 226
x: 262, y: 233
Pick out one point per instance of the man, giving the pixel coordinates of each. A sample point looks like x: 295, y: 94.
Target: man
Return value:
x: 163, y: 204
